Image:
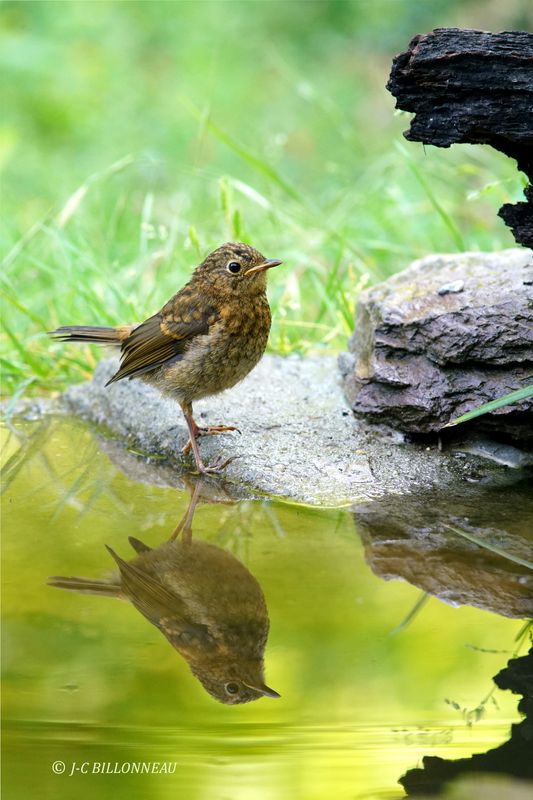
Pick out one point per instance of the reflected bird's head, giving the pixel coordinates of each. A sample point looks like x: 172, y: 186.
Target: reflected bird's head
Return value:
x: 234, y: 683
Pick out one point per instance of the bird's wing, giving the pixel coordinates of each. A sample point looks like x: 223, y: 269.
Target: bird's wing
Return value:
x: 188, y: 637
x: 138, y: 546
x: 162, y: 607
x: 147, y: 594
x: 166, y: 336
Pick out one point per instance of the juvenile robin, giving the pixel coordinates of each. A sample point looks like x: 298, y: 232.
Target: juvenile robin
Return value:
x: 203, y: 600
x: 207, y: 338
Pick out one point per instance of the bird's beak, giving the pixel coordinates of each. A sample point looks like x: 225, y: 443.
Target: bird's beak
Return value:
x: 262, y: 267
x: 261, y: 687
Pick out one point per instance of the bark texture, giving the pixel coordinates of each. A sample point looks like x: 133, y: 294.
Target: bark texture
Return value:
x: 467, y: 86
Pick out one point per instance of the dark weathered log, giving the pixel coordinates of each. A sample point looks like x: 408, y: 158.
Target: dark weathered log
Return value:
x: 519, y: 218
x: 472, y: 87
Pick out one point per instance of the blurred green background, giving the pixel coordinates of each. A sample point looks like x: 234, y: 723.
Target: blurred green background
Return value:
x: 136, y: 136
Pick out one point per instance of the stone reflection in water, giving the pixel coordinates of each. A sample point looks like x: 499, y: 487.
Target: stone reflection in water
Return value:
x: 203, y: 600
x: 471, y: 545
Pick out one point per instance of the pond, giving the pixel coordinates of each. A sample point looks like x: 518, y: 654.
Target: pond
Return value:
x: 372, y: 674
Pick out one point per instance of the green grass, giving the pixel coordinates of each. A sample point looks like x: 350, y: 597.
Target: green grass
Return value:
x: 138, y: 136
x: 493, y: 405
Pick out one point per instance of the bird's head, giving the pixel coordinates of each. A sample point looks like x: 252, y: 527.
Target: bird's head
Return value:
x: 236, y: 267
x: 234, y: 683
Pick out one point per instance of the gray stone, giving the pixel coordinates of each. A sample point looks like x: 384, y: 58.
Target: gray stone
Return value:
x: 447, y: 334
x: 298, y: 438
x: 451, y: 288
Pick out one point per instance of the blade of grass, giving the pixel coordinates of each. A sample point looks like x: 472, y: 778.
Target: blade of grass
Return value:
x: 24, y: 353
x: 29, y: 447
x: 257, y: 163
x: 488, y: 546
x: 75, y: 200
x: 23, y: 310
x: 17, y: 394
x: 19, y: 245
x: 413, y: 613
x: 445, y: 217
x: 486, y: 408
x: 522, y: 633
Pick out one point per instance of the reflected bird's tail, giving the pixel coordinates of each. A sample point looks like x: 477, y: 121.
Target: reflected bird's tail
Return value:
x: 85, y: 586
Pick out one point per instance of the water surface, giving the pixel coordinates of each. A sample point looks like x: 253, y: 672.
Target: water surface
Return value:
x: 88, y: 680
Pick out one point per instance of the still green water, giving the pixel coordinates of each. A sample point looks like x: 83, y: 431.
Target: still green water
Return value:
x: 89, y: 682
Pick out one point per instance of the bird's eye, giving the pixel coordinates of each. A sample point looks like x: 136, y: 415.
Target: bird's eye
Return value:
x: 234, y: 267
x: 231, y: 688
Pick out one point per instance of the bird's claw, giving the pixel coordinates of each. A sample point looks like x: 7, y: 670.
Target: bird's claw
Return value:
x: 214, y: 429
x: 211, y: 430
x: 216, y: 467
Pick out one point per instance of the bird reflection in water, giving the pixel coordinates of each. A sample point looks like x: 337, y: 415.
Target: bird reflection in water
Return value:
x: 203, y: 600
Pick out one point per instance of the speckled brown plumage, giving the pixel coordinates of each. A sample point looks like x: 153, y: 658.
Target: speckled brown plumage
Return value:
x: 205, y: 339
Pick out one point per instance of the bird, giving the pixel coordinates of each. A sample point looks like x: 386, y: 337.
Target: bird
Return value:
x: 203, y: 600
x: 204, y: 340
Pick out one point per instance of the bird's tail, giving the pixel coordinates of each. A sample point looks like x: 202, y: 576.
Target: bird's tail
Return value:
x: 87, y: 333
x: 85, y: 586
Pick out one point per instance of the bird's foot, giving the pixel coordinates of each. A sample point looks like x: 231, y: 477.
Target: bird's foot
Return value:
x: 211, y: 430
x: 216, y: 467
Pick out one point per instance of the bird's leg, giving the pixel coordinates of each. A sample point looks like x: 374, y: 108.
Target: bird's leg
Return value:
x: 194, y: 429
x: 210, y: 430
x: 193, y: 437
x: 185, y: 523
